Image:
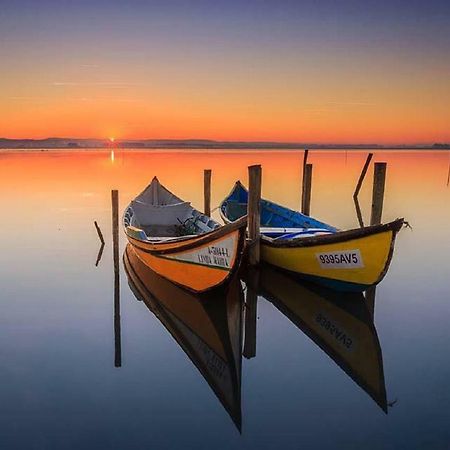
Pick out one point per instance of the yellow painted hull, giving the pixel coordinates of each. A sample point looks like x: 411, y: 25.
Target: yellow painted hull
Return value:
x: 355, y: 262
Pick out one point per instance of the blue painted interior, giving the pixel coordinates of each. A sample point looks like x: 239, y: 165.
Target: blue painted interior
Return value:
x: 272, y: 215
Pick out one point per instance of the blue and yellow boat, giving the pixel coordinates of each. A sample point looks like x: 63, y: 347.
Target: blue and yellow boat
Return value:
x: 351, y: 260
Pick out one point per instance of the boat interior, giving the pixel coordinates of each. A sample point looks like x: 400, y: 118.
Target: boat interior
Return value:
x: 277, y: 221
x: 160, y: 214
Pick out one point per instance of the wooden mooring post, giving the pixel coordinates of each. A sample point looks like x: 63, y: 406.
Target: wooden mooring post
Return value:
x: 379, y: 180
x: 358, y: 188
x: 254, y: 213
x: 115, y: 231
x: 207, y: 192
x: 363, y: 175
x: 306, y: 191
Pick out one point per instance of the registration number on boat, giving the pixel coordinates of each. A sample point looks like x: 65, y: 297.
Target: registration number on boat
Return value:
x: 346, y: 259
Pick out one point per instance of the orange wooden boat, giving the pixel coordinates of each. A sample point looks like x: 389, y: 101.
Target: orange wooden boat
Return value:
x: 180, y: 243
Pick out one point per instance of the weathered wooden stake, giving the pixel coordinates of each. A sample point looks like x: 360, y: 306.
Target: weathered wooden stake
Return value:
x: 115, y: 231
x: 251, y: 302
x: 305, y: 159
x: 379, y: 179
x: 99, y: 232
x: 358, y: 188
x: 363, y: 174
x: 207, y: 191
x: 254, y: 213
x: 306, y: 194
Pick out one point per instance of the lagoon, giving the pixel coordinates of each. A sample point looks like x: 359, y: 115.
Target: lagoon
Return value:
x: 59, y: 387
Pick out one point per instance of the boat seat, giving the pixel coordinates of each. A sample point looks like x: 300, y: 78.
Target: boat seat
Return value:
x: 307, y: 232
x: 235, y: 210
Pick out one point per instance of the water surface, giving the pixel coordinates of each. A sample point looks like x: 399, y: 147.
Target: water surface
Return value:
x: 59, y: 387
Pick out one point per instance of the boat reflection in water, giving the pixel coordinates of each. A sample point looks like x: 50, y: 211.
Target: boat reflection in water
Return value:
x: 341, y: 324
x: 208, y: 327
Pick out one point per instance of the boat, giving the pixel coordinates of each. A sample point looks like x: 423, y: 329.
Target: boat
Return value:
x: 339, y: 323
x: 179, y: 242
x: 207, y: 326
x: 351, y: 260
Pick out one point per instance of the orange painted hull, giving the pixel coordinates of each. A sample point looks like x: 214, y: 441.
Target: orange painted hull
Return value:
x: 199, y: 263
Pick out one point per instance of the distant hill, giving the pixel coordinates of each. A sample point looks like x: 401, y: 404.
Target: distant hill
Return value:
x: 74, y: 143
x: 441, y: 146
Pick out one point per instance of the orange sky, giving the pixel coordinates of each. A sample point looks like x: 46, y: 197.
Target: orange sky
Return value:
x: 328, y: 75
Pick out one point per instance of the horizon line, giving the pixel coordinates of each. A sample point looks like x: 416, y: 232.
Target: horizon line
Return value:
x: 220, y: 141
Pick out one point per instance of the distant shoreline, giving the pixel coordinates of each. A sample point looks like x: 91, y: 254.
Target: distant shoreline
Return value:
x: 211, y: 150
x: 197, y: 144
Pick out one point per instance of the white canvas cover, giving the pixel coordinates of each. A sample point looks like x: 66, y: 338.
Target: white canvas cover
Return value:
x: 147, y: 214
x: 156, y: 205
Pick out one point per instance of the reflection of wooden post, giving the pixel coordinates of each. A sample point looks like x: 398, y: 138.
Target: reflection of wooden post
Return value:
x: 251, y: 301
x: 254, y: 213
x: 99, y: 232
x: 115, y: 230
x: 306, y: 194
x: 207, y: 191
x: 370, y: 300
x: 379, y: 178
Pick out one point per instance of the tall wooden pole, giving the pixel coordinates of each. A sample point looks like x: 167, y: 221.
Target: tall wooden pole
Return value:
x: 306, y: 193
x: 379, y: 179
x: 305, y: 159
x: 115, y: 231
x: 207, y: 192
x: 254, y: 213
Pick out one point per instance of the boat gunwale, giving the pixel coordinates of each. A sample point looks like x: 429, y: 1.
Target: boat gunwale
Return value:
x: 189, y: 243
x: 234, y: 268
x: 332, y: 238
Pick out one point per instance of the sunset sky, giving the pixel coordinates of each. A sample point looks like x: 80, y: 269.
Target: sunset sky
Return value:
x: 309, y: 71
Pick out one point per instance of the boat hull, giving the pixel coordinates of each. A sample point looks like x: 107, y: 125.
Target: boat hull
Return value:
x: 199, y: 263
x: 350, y: 260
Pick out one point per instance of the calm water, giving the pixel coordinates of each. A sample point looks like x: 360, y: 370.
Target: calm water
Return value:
x: 59, y: 387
